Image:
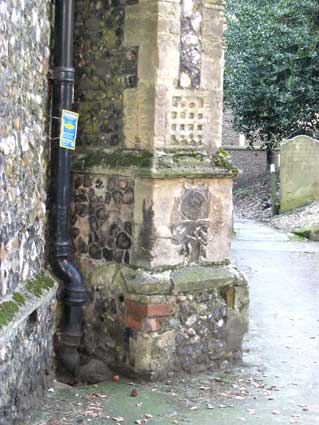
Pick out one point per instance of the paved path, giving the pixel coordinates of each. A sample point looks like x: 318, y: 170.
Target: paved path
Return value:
x: 284, y: 319
x: 279, y: 383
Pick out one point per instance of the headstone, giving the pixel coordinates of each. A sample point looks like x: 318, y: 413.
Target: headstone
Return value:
x: 299, y: 172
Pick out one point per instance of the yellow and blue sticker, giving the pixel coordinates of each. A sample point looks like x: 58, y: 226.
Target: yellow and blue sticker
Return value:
x: 69, y: 126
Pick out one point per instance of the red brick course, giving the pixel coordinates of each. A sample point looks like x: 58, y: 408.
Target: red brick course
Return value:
x: 140, y: 310
x: 145, y: 316
x: 146, y: 325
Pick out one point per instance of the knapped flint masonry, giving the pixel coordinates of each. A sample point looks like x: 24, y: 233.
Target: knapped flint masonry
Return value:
x: 72, y: 293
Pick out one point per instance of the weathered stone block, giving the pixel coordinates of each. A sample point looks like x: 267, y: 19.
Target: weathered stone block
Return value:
x: 150, y: 353
x: 299, y: 175
x: 192, y: 225
x: 200, y: 278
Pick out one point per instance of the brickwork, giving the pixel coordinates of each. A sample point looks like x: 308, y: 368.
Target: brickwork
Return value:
x: 251, y: 162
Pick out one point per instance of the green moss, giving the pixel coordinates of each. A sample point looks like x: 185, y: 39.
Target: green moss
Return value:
x: 18, y: 298
x: 8, y: 310
x: 175, y: 164
x: 109, y: 40
x: 39, y: 284
x: 296, y: 238
x: 36, y: 286
x: 221, y: 160
x: 311, y: 233
x: 139, y: 159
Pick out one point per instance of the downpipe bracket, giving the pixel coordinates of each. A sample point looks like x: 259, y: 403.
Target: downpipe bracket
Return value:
x: 63, y: 74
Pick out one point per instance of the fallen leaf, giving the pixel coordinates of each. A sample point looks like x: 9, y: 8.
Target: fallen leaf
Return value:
x: 99, y: 395
x: 118, y: 419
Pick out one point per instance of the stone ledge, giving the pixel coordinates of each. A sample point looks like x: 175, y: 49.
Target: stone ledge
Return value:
x: 173, y: 164
x: 16, y: 307
x: 201, y: 278
x: 146, y: 286
x: 143, y: 283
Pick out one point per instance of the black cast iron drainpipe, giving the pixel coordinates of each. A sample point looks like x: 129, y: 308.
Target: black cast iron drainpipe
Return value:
x: 72, y: 292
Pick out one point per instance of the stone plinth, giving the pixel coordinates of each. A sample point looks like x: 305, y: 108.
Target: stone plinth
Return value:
x: 157, y: 324
x: 152, y: 213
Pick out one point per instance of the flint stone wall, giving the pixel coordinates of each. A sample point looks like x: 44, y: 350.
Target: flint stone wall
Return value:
x: 26, y: 326
x: 26, y: 347
x: 104, y: 69
x: 24, y: 56
x: 299, y: 172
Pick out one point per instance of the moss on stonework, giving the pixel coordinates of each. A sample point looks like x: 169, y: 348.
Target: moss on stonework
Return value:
x: 8, y: 310
x: 311, y: 233
x: 171, y: 164
x: 36, y: 286
x: 221, y: 160
x: 39, y: 284
x: 119, y: 158
x: 18, y: 298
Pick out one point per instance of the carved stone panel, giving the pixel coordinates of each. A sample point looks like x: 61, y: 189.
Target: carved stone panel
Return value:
x: 187, y: 122
x: 190, y: 233
x: 181, y: 222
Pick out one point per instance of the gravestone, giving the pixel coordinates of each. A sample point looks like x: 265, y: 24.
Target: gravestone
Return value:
x: 299, y: 173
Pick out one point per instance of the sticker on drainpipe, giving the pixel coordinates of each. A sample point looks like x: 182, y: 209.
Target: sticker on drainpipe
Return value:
x: 69, y: 126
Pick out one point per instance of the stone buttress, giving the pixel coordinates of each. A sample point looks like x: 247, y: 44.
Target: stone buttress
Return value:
x: 152, y: 204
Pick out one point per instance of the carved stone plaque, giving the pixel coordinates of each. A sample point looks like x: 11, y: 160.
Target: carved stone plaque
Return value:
x: 186, y: 122
x: 190, y: 233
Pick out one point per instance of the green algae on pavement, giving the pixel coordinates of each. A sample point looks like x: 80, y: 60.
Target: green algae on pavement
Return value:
x: 226, y: 399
